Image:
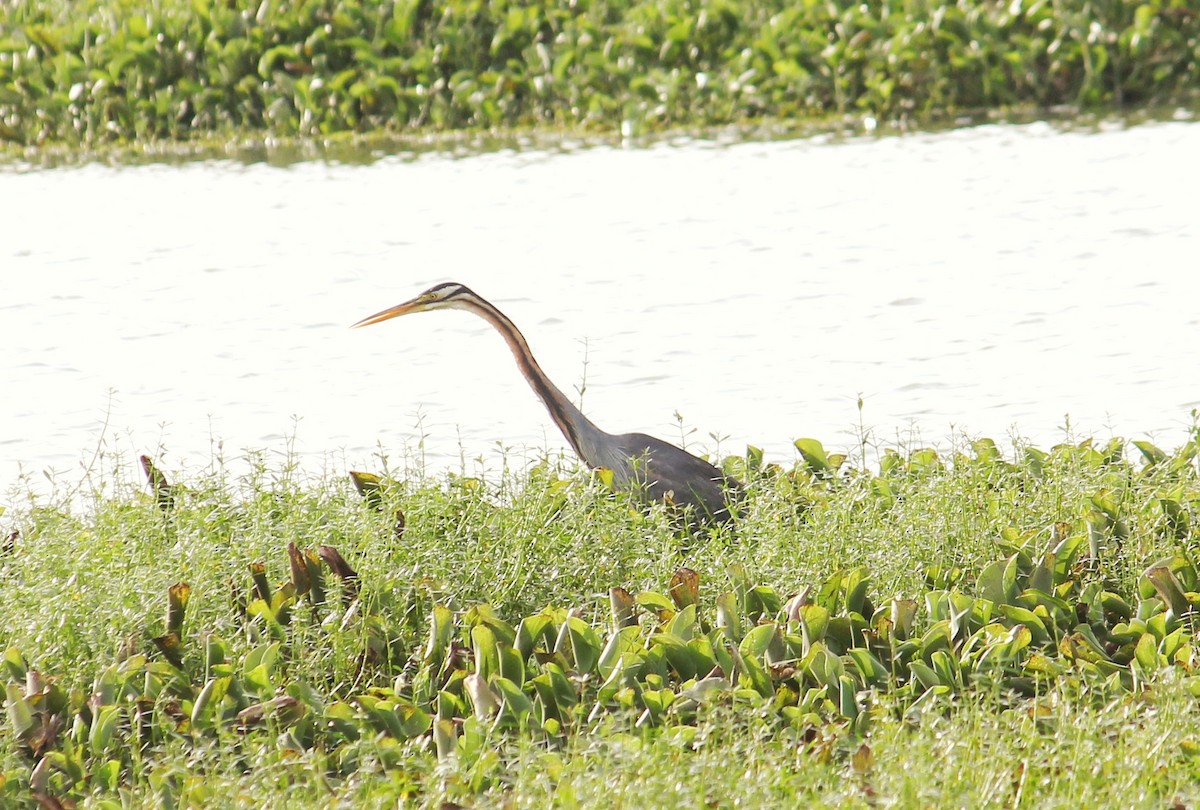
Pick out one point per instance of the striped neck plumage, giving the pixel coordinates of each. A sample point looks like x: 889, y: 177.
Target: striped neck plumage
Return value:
x: 577, y: 428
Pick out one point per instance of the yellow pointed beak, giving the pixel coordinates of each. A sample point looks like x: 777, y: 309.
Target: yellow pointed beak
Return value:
x: 391, y: 312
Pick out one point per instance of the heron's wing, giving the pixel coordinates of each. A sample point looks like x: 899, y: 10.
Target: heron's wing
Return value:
x: 667, y: 472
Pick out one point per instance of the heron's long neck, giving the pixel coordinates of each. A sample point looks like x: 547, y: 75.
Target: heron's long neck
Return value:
x: 580, y: 431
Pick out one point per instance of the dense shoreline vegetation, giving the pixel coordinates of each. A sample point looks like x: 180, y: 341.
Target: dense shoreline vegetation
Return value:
x: 970, y: 627
x: 90, y: 73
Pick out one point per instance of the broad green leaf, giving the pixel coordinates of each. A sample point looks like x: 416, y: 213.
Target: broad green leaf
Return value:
x: 1146, y: 653
x: 20, y: 713
x: 487, y: 659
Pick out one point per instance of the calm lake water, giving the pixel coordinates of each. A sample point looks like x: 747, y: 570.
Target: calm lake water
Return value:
x: 993, y: 281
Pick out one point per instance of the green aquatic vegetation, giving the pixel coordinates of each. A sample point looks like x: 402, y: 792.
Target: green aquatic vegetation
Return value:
x: 533, y: 635
x: 91, y: 72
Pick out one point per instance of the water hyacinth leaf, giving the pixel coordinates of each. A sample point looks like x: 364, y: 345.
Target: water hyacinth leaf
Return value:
x: 814, y: 622
x: 102, y: 734
x: 753, y: 675
x: 617, y: 680
x: 924, y: 461
x: 678, y: 655
x: 925, y: 675
x: 1104, y: 501
x: 1152, y: 454
x: 1158, y: 624
x: 448, y: 703
x: 108, y: 775
x: 1042, y: 577
x: 759, y: 640
x: 623, y: 608
x: 816, y: 461
x: 511, y: 664
x: 706, y: 689
x: 754, y: 458
x: 825, y: 667
x: 533, y: 630
x: 1184, y: 569
x: 1083, y: 645
x: 163, y: 494
x: 258, y: 573
x: 729, y: 618
x: 281, y: 605
x: 484, y: 702
x: 683, y: 624
x: 516, y: 708
x: 882, y: 489
x: 556, y: 694
x: 342, y: 570
x: 445, y: 738
x: 760, y: 602
x: 684, y: 588
x: 946, y: 667
x: 709, y: 655
x: 1035, y: 461
x: 791, y: 608
x: 259, y: 609
x: 940, y: 577
x: 1018, y: 638
x: 487, y: 659
x: 1064, y: 543
x: 106, y: 686
x: 298, y: 570
x: 370, y: 487
x: 903, y: 615
x: 20, y: 713
x: 986, y: 450
x: 316, y: 577
x: 1115, y: 605
x: 656, y: 603
x: 441, y: 628
x: 1169, y: 589
x: 216, y: 652
x: 341, y: 719
x: 582, y: 643
x: 1039, y: 664
x: 14, y: 664
x: 1028, y: 619
x: 1146, y: 653
x: 847, y: 698
x: 857, y: 581
x: 379, y: 713
x: 177, y: 599
x: 938, y: 636
x: 623, y: 643
x: 656, y: 701
x: 205, y: 707
x: 998, y: 581
x: 486, y: 615
x: 565, y: 693
x: 262, y: 657
x: 1123, y: 633
x: 171, y: 647
x: 1176, y: 515
x: 870, y: 668
x: 830, y: 593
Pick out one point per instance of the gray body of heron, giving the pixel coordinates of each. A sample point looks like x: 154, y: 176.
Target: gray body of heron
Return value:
x: 655, y: 469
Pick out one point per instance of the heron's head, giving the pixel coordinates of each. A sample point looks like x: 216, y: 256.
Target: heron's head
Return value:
x: 448, y: 295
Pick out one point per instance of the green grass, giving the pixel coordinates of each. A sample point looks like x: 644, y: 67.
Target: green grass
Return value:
x: 978, y: 629
x: 93, y: 73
